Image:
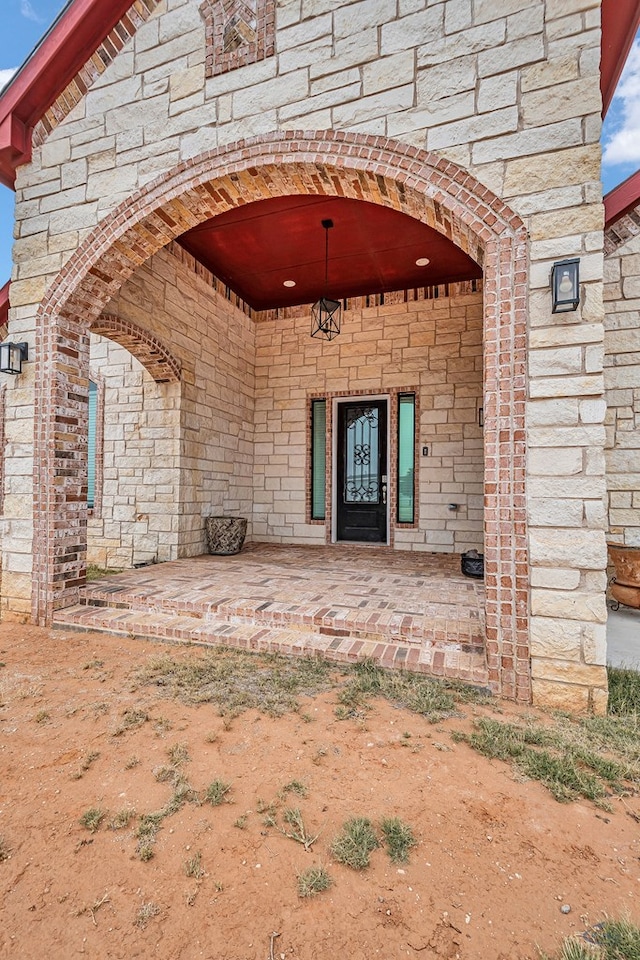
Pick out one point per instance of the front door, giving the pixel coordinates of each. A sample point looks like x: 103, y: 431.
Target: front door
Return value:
x: 361, y: 499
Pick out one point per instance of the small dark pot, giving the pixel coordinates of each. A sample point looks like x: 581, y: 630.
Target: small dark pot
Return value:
x: 472, y: 566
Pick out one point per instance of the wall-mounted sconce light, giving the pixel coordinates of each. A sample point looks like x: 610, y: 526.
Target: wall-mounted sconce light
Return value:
x: 325, y: 312
x: 12, y: 356
x: 565, y: 285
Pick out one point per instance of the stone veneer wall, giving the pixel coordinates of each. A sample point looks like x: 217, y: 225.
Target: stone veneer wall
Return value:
x: 622, y: 377
x: 173, y: 452
x: 508, y: 91
x: 136, y: 518
x: 434, y: 346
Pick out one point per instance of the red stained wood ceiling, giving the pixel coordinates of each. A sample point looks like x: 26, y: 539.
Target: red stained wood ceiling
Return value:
x: 255, y: 248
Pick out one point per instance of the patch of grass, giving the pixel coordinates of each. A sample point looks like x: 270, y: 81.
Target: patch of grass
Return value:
x: 354, y: 844
x: 92, y: 818
x: 313, y: 881
x: 624, y: 691
x: 121, y: 819
x: 150, y: 823
x: 130, y: 720
x: 573, y: 758
x: 294, y: 786
x: 164, y: 774
x: 241, y: 822
x: 216, y: 792
x: 132, y: 762
x: 295, y: 828
x: 609, y: 940
x: 95, y: 572
x: 236, y: 681
x: 162, y: 725
x: 193, y: 866
x: 433, y: 699
x: 146, y: 851
x: 85, y: 765
x: 5, y: 850
x: 42, y: 716
x: 178, y: 754
x: 146, y: 912
x: 398, y: 837
x: 93, y: 665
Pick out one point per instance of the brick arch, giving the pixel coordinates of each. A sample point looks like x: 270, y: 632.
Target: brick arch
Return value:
x: 420, y: 184
x: 147, y: 349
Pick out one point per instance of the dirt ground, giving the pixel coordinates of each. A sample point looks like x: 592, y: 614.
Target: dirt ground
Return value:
x: 496, y: 859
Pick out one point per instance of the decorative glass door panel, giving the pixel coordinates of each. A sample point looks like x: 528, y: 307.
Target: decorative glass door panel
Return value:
x: 362, y: 471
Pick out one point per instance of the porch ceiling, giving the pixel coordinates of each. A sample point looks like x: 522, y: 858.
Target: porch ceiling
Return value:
x: 255, y: 248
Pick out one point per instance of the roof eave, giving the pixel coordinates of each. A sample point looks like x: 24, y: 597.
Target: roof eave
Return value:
x: 622, y: 199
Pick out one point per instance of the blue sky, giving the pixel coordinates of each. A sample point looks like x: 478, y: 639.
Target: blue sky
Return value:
x: 25, y: 21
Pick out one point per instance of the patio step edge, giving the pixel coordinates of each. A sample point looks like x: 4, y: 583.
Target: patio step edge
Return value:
x: 435, y: 659
x: 323, y: 625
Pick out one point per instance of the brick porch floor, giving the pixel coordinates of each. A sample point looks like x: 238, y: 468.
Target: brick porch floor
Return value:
x: 411, y: 610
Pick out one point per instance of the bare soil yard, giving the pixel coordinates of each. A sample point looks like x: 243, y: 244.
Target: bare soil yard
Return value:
x: 136, y: 822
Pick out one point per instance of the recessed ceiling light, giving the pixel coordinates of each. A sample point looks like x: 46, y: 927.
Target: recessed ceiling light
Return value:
x: 423, y: 262
x: 289, y: 283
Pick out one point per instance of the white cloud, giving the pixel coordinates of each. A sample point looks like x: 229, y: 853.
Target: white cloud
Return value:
x: 5, y: 76
x: 29, y: 13
x: 624, y: 145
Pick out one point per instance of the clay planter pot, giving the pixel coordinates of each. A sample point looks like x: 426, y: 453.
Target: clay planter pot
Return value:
x: 626, y: 562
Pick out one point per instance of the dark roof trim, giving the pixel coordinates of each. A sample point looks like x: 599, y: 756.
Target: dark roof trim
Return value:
x: 620, y: 23
x: 622, y: 199
x: 4, y: 304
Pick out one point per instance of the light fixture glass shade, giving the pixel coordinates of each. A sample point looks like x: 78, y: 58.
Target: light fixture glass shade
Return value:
x: 12, y: 356
x: 325, y: 318
x: 565, y: 285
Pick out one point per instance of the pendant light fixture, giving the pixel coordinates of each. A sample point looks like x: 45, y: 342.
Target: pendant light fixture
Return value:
x: 325, y: 313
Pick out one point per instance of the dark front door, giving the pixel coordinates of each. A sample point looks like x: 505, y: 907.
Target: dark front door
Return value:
x: 362, y: 471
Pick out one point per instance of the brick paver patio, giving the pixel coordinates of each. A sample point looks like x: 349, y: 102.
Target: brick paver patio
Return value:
x: 411, y: 610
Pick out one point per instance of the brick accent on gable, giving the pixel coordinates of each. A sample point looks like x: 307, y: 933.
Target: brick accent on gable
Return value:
x: 147, y: 349
x: 238, y: 32
x: 421, y: 184
x: 106, y: 53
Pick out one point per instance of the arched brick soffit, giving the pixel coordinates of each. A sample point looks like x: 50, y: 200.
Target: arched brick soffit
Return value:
x: 333, y: 163
x: 416, y: 182
x: 147, y: 349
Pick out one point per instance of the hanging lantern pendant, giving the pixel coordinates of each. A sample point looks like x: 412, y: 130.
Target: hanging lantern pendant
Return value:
x: 326, y: 313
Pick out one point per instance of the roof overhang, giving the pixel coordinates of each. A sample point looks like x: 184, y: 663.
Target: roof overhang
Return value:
x: 620, y: 23
x: 622, y: 199
x: 4, y: 304
x: 58, y: 58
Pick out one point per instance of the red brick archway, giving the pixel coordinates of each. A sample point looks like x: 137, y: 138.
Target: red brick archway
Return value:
x: 375, y: 169
x: 147, y: 349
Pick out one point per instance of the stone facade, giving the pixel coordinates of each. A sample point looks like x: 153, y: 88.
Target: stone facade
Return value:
x: 481, y: 119
x: 622, y: 377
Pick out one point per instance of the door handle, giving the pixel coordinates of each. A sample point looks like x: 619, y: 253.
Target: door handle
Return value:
x: 384, y: 493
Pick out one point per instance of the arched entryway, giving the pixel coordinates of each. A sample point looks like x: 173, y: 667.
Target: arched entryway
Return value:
x: 384, y: 172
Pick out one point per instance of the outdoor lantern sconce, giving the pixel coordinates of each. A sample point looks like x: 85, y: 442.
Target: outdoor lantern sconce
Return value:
x: 12, y: 356
x: 325, y: 313
x: 565, y: 285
